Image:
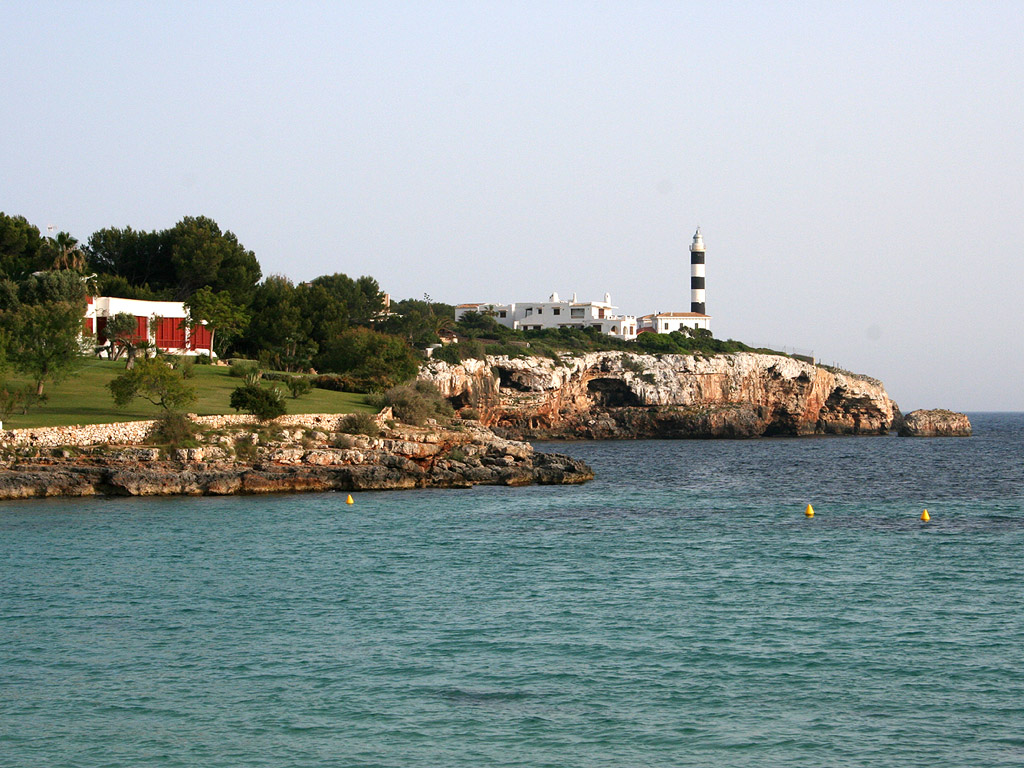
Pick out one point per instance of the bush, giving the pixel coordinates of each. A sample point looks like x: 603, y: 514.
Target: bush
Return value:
x: 415, y: 403
x: 175, y: 430
x: 449, y: 353
x: 335, y: 382
x: 298, y: 385
x: 359, y: 424
x: 264, y: 404
x: 244, y: 369
x: 245, y: 448
x: 203, y: 359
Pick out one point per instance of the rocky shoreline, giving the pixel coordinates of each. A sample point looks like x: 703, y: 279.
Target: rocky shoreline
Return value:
x: 288, y: 461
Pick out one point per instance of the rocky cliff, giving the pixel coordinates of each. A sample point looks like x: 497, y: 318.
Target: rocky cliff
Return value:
x: 289, y: 460
x: 626, y: 395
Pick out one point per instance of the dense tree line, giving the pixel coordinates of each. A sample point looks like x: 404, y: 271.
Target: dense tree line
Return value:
x: 333, y: 324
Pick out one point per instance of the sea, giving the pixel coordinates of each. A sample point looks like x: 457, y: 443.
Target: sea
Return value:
x: 678, y: 610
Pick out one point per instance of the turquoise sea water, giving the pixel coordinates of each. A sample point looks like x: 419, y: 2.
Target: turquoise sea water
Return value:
x: 677, y: 611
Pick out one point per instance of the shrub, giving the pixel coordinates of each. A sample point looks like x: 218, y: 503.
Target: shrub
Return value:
x: 202, y: 359
x: 344, y: 441
x: 245, y: 369
x: 359, y: 424
x: 298, y: 385
x: 469, y: 413
x: 417, y: 402
x: 175, y: 430
x: 334, y: 382
x: 262, y: 403
x: 449, y: 353
x: 245, y: 448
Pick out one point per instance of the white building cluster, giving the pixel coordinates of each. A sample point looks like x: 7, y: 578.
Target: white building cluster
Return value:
x: 556, y: 313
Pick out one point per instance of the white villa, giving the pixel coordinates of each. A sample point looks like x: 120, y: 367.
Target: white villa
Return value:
x: 555, y: 313
x: 171, y: 334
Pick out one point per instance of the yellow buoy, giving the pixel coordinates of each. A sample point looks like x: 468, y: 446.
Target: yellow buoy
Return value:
x: 349, y: 499
x: 925, y: 517
x: 809, y: 512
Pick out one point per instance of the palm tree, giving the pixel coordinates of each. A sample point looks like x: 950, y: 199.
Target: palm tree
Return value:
x: 67, y: 253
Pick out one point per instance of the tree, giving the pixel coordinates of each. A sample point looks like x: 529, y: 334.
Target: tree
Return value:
x: 153, y: 379
x: 370, y: 360
x: 418, y: 321
x: 176, y: 262
x: 65, y: 253
x: 333, y: 303
x: 139, y: 259
x: 20, y: 247
x: 265, y: 404
x: 219, y: 312
x: 278, y: 328
x: 120, y: 332
x: 203, y: 256
x: 44, y: 340
x: 53, y: 286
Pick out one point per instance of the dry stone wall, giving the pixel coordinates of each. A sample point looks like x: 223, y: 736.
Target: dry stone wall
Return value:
x: 137, y: 432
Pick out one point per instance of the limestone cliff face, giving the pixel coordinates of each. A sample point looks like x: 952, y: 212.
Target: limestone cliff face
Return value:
x: 623, y: 395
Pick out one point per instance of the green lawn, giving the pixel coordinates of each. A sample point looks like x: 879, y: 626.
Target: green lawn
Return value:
x: 85, y: 399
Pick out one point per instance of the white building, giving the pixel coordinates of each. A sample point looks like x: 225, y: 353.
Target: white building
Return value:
x: 667, y: 322
x: 170, y: 334
x: 555, y: 313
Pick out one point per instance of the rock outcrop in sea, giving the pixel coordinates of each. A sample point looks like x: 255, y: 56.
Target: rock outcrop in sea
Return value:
x: 935, y: 423
x: 627, y: 395
x: 283, y: 459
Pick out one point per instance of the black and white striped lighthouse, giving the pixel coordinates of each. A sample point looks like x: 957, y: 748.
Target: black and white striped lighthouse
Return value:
x: 697, y: 302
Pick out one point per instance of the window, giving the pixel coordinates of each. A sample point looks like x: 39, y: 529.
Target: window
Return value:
x: 576, y: 312
x: 503, y: 313
x: 540, y: 310
x: 529, y: 311
x: 556, y: 311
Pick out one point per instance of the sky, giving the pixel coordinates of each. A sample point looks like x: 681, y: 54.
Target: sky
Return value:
x: 857, y: 169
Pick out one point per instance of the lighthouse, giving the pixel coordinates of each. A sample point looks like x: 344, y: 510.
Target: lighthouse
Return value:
x: 697, y: 303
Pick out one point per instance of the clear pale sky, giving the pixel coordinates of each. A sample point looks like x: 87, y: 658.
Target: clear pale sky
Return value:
x: 857, y: 169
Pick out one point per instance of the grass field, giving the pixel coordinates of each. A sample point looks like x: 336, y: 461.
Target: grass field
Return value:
x: 85, y: 399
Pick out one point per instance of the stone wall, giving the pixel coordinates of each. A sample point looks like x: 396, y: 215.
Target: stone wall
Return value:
x: 137, y: 432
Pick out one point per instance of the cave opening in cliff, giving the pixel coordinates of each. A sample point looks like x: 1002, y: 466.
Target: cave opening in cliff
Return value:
x: 509, y: 380
x: 612, y: 393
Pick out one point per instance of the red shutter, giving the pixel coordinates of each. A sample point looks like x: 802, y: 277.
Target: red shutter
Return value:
x: 170, y: 334
x: 200, y: 338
